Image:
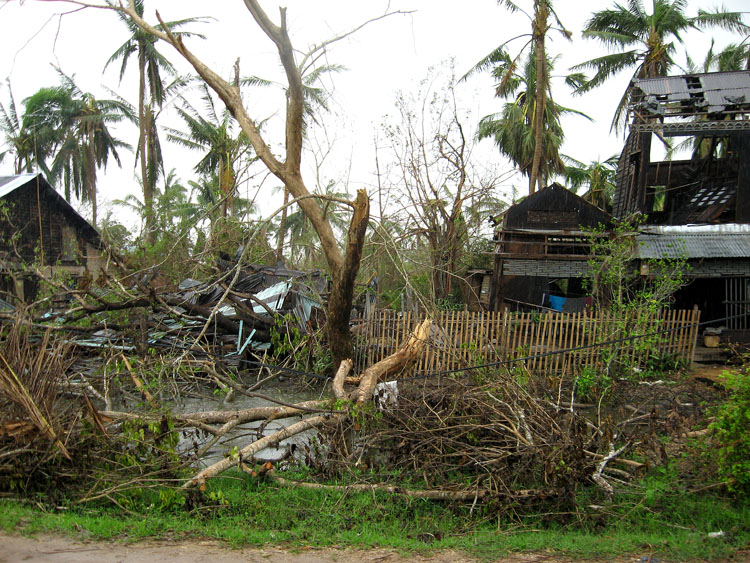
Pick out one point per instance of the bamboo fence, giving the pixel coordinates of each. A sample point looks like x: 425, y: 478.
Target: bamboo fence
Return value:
x: 541, y: 343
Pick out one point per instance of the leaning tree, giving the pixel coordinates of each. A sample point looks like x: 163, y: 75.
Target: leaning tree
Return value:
x: 342, y: 260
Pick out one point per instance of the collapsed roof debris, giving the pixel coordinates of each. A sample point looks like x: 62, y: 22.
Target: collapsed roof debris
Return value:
x: 241, y: 314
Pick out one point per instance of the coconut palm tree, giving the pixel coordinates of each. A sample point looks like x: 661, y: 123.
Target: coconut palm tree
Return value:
x: 18, y: 141
x: 645, y: 42
x: 224, y: 148
x: 71, y: 128
x: 152, y: 92
x: 597, y: 176
x: 735, y: 56
x: 504, y: 68
x: 513, y: 129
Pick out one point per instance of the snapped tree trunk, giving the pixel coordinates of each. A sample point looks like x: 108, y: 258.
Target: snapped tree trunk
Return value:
x: 343, y: 267
x: 342, y: 286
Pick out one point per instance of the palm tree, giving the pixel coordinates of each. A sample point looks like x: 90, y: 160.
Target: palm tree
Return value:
x: 224, y: 149
x: 151, y: 95
x: 644, y: 41
x: 514, y: 130
x: 735, y: 56
x: 504, y: 69
x: 597, y: 176
x: 71, y: 128
x: 20, y: 144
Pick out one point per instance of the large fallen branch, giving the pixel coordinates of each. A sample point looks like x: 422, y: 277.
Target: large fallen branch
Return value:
x: 222, y: 417
x: 404, y: 358
x: 252, y: 449
x: 467, y: 495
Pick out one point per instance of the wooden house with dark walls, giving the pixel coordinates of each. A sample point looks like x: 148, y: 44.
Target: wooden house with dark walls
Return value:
x: 696, y: 207
x: 37, y: 226
x: 542, y: 245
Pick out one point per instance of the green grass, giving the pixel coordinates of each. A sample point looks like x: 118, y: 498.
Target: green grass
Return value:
x: 242, y: 511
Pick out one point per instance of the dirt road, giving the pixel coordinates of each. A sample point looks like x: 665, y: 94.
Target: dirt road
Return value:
x: 58, y: 549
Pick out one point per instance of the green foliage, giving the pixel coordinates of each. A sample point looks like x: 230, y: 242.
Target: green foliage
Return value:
x: 634, y: 299
x: 665, y: 521
x: 729, y: 446
x: 285, y: 335
x: 592, y: 384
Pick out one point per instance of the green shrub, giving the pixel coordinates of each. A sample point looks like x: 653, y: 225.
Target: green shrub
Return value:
x: 731, y: 433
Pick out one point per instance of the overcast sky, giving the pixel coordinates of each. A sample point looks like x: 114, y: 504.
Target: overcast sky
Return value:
x: 385, y: 57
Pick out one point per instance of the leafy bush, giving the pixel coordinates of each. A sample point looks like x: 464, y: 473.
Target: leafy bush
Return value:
x: 731, y: 433
x: 592, y: 384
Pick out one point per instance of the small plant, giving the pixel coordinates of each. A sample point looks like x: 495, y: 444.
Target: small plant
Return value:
x: 635, y: 298
x: 592, y: 384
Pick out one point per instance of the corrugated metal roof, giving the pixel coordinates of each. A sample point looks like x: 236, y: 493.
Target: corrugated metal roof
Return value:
x: 695, y: 245
x: 718, y: 89
x: 11, y: 183
x: 696, y: 229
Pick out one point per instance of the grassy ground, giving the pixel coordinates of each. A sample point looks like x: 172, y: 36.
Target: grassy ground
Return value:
x: 241, y: 510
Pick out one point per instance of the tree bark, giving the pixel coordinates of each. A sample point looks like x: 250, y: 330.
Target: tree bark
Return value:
x: 540, y: 31
x: 343, y: 268
x: 342, y: 286
x: 433, y: 494
x: 282, y: 227
x: 143, y: 128
x: 340, y: 378
x: 252, y: 449
x: 222, y: 417
x: 400, y: 360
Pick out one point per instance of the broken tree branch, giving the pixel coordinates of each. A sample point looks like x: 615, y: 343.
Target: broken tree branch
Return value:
x: 252, y: 449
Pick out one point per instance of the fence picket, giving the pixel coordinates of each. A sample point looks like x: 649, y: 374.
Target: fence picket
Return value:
x: 463, y: 338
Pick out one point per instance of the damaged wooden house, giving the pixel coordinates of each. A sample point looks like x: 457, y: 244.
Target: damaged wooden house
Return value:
x: 696, y: 207
x: 37, y: 226
x: 542, y: 245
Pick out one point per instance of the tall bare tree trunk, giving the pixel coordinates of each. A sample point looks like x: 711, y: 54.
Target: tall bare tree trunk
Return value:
x: 541, y: 14
x: 282, y: 227
x: 143, y: 132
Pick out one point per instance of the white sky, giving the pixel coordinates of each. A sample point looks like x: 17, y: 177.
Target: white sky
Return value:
x: 387, y: 56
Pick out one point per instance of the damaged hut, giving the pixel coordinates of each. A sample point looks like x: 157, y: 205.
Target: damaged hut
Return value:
x: 37, y: 226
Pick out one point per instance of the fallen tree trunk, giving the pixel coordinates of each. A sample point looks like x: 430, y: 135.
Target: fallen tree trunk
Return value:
x: 403, y: 359
x: 222, y: 417
x: 432, y: 494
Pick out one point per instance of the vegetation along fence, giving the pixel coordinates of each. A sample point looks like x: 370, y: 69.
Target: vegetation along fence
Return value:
x: 548, y: 343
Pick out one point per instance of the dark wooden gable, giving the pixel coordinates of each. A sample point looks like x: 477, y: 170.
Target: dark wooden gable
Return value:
x: 554, y: 208
x: 36, y: 221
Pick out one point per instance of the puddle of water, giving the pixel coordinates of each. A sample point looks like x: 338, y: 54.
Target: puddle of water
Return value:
x: 248, y: 432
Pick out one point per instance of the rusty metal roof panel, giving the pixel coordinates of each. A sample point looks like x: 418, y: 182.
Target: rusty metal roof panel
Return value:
x: 702, y: 245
